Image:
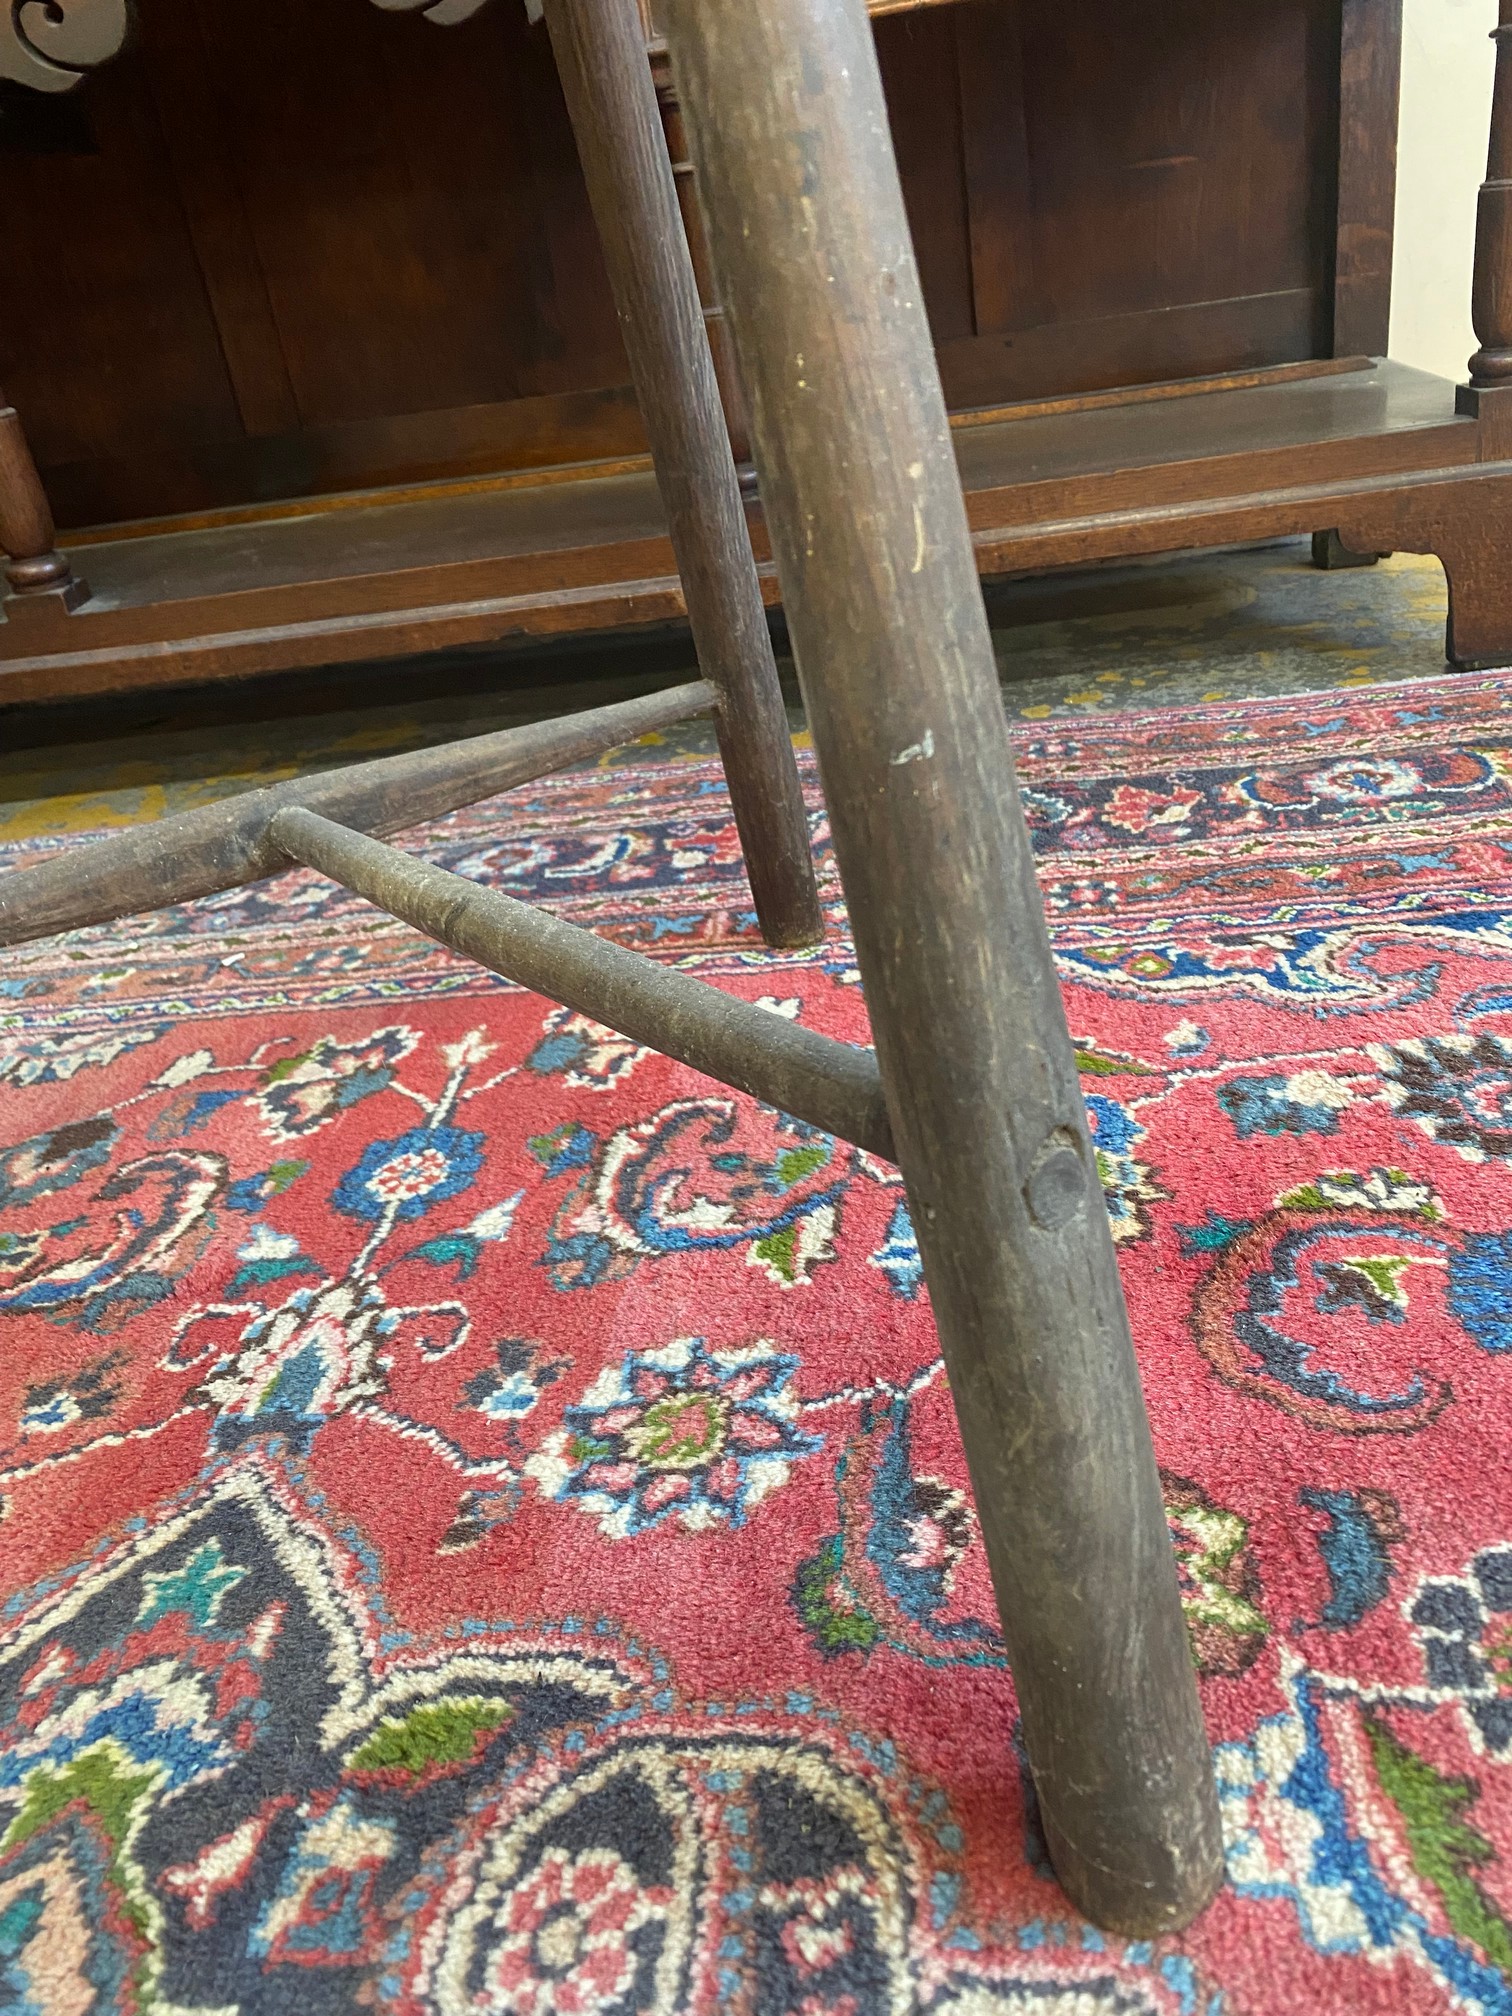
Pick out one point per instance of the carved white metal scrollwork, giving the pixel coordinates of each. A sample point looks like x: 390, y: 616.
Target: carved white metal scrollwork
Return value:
x: 50, y: 44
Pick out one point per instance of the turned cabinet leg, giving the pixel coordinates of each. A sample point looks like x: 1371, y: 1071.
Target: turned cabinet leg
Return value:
x: 33, y: 565
x: 1491, y: 297
x: 789, y: 133
x: 600, y: 52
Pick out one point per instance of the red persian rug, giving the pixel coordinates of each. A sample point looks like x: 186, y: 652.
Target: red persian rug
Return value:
x: 483, y: 1527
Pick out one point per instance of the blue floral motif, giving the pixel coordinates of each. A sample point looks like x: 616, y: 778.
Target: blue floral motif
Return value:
x: 1301, y: 1255
x: 160, y: 1208
x: 30, y: 1058
x: 1355, y: 1546
x: 511, y: 1398
x: 55, y: 1161
x: 1480, y: 1289
x: 565, y: 1148
x: 583, y: 1052
x: 681, y: 1433
x: 300, y: 1094
x: 250, y: 1193
x: 898, y: 1255
x: 409, y: 1175
x: 699, y: 1176
x: 1457, y: 1088
x: 1126, y: 1183
x: 1308, y: 1103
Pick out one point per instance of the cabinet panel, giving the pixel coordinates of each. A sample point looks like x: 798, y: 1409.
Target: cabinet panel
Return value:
x: 280, y: 247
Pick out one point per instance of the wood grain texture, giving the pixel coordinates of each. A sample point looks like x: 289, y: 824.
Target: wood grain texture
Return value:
x: 829, y: 1084
x: 999, y: 172
x: 600, y: 54
x: 1064, y: 483
x: 810, y: 240
x: 1370, y: 62
x: 188, y: 98
x: 721, y: 343
x: 224, y: 845
x: 297, y: 250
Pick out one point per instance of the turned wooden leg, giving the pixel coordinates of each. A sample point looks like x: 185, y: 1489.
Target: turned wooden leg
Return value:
x: 790, y: 136
x: 34, y: 567
x: 601, y: 55
x: 1491, y: 297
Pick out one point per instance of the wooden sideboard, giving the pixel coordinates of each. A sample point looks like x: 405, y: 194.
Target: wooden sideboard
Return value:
x: 310, y: 337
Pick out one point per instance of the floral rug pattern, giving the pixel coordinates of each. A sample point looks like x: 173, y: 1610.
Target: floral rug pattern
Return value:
x: 482, y: 1526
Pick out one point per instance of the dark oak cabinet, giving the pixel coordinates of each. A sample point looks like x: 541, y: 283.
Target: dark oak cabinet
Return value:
x: 277, y: 248
x: 309, y: 333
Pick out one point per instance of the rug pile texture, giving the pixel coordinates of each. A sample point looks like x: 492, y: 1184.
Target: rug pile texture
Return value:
x: 482, y: 1526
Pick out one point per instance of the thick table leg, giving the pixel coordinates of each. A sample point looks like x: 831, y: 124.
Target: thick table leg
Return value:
x: 600, y: 52
x: 790, y: 140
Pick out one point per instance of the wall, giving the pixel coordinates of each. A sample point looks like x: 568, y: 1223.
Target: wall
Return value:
x: 1447, y: 62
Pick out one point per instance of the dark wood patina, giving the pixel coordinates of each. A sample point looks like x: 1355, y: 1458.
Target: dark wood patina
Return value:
x: 812, y: 246
x: 600, y: 55
x: 973, y: 1087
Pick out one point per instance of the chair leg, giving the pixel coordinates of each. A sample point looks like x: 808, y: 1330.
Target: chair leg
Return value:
x: 601, y: 56
x: 790, y: 140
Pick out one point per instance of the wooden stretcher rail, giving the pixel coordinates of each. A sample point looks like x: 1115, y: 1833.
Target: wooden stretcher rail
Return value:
x: 829, y: 1084
x: 221, y: 846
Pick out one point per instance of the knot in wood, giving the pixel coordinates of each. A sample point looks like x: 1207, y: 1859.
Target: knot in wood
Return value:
x: 1056, y: 1186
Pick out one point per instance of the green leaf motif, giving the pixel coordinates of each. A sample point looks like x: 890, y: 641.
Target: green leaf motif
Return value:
x: 118, y: 1795
x: 793, y: 1164
x: 432, y: 1736
x: 834, y: 1624
x: 256, y: 1272
x: 1444, y: 1848
x: 1095, y: 1063
x: 780, y: 1251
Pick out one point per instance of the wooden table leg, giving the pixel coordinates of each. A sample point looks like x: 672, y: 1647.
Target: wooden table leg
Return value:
x: 790, y: 139
x: 600, y: 52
